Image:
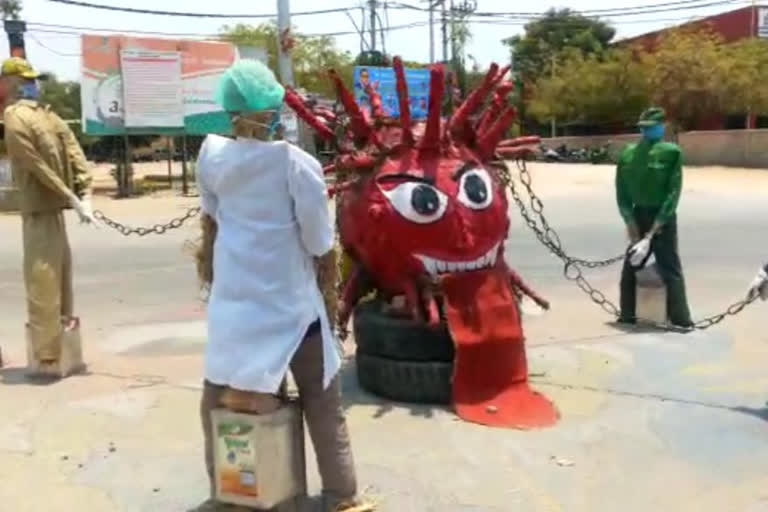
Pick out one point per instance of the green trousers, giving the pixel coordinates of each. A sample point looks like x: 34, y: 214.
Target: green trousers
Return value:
x: 664, y: 248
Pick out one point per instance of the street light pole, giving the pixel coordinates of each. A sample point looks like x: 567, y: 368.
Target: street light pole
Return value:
x: 283, y: 49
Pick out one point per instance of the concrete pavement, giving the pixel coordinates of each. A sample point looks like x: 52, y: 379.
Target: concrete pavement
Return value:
x: 650, y: 420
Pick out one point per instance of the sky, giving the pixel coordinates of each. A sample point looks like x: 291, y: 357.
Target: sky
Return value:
x: 55, y: 49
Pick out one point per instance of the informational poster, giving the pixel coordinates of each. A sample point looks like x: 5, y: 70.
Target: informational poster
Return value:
x: 383, y: 82
x: 762, y: 22
x: 152, y: 89
x: 103, y: 98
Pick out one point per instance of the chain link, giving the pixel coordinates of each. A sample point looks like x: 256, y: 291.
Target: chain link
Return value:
x: 573, y: 266
x: 157, y: 229
x: 552, y: 239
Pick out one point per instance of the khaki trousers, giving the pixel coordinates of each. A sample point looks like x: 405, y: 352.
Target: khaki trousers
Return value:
x: 48, y: 280
x: 323, y: 413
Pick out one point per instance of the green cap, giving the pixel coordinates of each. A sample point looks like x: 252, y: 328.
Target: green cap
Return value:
x: 249, y: 86
x: 652, y: 117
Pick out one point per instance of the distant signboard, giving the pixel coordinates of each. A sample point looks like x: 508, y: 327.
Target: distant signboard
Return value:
x: 383, y: 81
x: 762, y: 22
x: 154, y: 85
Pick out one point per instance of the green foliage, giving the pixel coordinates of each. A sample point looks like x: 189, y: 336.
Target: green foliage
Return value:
x: 10, y: 9
x: 553, y: 33
x: 685, y: 75
x: 692, y: 74
x: 311, y: 55
x: 608, y: 87
x: 744, y: 71
x: 64, y: 99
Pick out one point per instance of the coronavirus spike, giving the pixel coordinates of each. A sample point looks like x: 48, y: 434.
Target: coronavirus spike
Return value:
x: 340, y: 187
x: 355, y: 161
x: 487, y: 141
x: 360, y: 127
x: 402, y: 96
x: 471, y: 104
x: 495, y: 108
x: 293, y: 100
x: 431, y: 138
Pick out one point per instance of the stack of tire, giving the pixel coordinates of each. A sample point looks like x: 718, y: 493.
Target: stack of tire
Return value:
x: 401, y: 359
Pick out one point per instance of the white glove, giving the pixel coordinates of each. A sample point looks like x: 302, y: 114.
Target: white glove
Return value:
x: 639, y: 252
x: 84, y: 210
x: 759, y: 286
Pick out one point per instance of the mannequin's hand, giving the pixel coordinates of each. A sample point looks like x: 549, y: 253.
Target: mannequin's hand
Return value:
x: 84, y: 210
x: 759, y: 286
x: 639, y: 252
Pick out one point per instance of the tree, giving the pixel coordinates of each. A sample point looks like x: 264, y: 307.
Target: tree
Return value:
x: 551, y: 34
x: 685, y: 75
x: 601, y: 88
x: 10, y: 9
x: 64, y: 99
x: 744, y: 73
x: 311, y: 55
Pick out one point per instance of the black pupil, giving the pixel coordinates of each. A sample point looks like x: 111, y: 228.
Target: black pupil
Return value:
x: 475, y: 188
x: 424, y: 200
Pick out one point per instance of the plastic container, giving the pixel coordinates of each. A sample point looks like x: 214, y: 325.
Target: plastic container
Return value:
x: 259, y: 460
x: 651, y: 296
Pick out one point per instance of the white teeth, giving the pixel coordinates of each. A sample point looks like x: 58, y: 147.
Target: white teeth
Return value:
x: 433, y: 266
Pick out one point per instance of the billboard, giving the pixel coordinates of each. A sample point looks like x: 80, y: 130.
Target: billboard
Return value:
x: 152, y: 86
x: 383, y: 81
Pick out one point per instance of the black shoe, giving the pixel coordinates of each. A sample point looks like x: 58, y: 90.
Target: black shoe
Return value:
x: 627, y: 320
x: 685, y: 324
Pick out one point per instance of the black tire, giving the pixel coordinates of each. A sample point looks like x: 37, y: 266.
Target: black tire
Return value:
x: 399, y: 338
x: 405, y: 381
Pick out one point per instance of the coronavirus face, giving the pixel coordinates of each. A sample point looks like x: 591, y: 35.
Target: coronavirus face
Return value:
x: 428, y: 214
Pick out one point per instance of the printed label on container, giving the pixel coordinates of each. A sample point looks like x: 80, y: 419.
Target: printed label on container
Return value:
x: 236, y: 471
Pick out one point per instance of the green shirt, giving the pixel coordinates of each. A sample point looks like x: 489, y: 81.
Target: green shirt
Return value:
x: 649, y: 175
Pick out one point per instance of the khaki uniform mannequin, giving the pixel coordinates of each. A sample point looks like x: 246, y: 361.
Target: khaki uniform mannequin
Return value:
x: 51, y: 174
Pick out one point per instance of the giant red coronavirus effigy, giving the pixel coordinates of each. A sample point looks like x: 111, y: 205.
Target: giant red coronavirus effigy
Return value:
x: 422, y: 214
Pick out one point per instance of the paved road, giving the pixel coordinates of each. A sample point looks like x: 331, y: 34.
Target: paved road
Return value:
x: 650, y: 420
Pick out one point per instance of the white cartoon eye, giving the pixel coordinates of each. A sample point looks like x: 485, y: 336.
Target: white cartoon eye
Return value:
x: 418, y: 202
x: 476, y: 189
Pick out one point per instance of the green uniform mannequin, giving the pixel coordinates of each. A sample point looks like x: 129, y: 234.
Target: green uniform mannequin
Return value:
x: 649, y: 179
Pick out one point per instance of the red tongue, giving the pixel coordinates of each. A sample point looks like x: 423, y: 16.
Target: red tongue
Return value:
x: 490, y: 378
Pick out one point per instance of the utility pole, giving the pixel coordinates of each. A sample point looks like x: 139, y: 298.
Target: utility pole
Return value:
x: 445, y: 33
x: 554, y: 122
x: 432, y: 32
x: 372, y: 6
x: 283, y: 46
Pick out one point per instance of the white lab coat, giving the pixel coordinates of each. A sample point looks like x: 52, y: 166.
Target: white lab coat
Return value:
x: 270, y: 203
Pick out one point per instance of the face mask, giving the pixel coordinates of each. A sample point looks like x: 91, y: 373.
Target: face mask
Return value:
x: 29, y: 90
x: 653, y: 133
x: 271, y: 127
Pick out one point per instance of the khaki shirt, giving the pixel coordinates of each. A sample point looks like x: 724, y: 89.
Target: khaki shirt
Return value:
x: 47, y: 162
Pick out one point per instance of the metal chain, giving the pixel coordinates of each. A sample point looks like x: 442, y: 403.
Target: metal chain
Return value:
x: 157, y: 229
x: 553, y: 241
x: 572, y: 270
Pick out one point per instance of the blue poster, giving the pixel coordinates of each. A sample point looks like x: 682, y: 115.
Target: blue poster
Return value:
x: 383, y: 81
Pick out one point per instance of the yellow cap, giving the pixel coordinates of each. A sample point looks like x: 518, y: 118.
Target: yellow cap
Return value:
x: 16, y: 66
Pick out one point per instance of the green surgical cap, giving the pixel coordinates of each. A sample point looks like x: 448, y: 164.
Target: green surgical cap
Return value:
x: 249, y: 86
